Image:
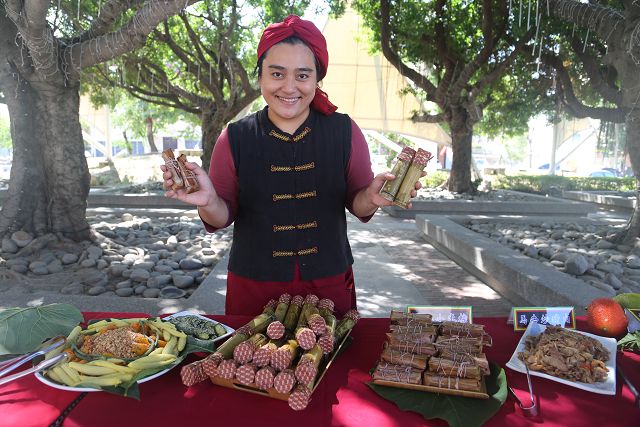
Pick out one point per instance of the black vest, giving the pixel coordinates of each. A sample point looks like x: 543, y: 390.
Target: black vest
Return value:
x: 291, y: 197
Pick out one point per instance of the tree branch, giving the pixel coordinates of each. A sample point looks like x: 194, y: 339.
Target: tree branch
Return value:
x: 129, y: 37
x: 428, y: 118
x: 417, y: 78
x: 597, y: 80
x: 603, y: 20
x: 573, y: 104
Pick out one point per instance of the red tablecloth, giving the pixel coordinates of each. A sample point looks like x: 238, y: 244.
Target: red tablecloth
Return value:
x: 341, y: 399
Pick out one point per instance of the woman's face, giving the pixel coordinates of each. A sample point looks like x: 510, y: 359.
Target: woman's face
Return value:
x: 288, y: 83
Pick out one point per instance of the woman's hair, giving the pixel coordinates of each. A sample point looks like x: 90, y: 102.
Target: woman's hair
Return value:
x: 288, y: 40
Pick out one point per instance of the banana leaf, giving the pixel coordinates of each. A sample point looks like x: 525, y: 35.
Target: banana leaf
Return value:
x: 23, y: 329
x: 458, y: 411
x: 130, y: 389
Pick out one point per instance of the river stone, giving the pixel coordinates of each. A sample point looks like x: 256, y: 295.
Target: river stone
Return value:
x: 74, y: 288
x: 21, y: 238
x: 126, y: 217
x: 139, y: 275
x: 151, y: 293
x: 163, y: 268
x: 116, y: 269
x: 102, y: 264
x: 19, y: 268
x: 55, y: 266
x: 633, y: 261
x: 139, y: 290
x: 576, y: 264
x: 69, y: 258
x: 9, y: 246
x: 124, y: 292
x: 124, y: 284
x: 183, y: 281
x: 613, y: 281
x: 96, y: 290
x: 172, y: 292
x: 94, y: 252
x: 610, y: 267
x: 143, y: 265
x: 605, y: 244
x: 159, y: 281
x: 88, y: 263
x: 190, y: 264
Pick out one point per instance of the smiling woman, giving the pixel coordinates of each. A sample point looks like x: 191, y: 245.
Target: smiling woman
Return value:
x: 284, y: 177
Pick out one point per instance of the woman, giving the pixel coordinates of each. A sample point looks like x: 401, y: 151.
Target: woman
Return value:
x: 284, y: 176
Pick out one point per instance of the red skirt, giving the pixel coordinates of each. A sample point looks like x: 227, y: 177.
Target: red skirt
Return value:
x: 248, y: 297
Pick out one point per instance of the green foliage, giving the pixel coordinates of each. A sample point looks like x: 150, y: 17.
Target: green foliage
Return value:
x: 23, y: 329
x: 5, y: 133
x: 546, y: 184
x: 434, y: 179
x: 457, y: 411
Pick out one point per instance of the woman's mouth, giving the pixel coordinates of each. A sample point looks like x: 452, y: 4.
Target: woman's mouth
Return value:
x: 288, y: 100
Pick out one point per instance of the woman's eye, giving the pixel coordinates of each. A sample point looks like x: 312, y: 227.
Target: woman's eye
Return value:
x: 303, y: 76
x: 276, y: 74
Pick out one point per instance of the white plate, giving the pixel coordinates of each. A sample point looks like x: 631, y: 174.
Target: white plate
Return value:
x: 229, y: 329
x: 606, y: 387
x: 54, y: 384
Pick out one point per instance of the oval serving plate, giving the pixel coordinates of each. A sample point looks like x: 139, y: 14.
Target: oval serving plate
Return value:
x: 42, y: 378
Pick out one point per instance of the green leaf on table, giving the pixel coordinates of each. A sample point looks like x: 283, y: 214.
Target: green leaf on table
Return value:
x: 631, y: 341
x: 23, y: 329
x: 458, y: 411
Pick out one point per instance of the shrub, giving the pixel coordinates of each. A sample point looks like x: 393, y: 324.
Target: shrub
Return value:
x: 545, y: 184
x: 434, y: 179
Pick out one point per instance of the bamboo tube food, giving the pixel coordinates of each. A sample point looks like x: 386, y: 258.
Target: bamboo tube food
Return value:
x: 426, y: 349
x: 245, y: 374
x: 192, y: 373
x: 317, y: 324
x: 399, y: 170
x: 307, y: 367
x: 172, y: 166
x: 345, y: 324
x: 243, y: 353
x: 306, y: 338
x: 293, y: 312
x: 407, y: 359
x: 455, y: 383
x: 284, y: 355
x: 397, y: 373
x: 284, y: 381
x: 188, y: 177
x: 275, y: 330
x: 419, y: 162
x: 310, y: 302
x: 282, y: 307
x: 299, y: 399
x: 264, y: 377
x: 450, y: 368
x: 403, y: 318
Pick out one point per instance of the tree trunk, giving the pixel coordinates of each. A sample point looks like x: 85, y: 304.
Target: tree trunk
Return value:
x: 152, y: 143
x: 461, y: 135
x: 49, y: 181
x: 212, y: 125
x: 632, y: 123
x: 48, y: 190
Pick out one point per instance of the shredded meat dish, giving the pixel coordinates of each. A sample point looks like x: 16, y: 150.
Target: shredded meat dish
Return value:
x: 566, y: 354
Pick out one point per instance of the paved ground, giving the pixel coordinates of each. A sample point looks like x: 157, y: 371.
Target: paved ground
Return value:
x: 394, y: 267
x: 410, y: 259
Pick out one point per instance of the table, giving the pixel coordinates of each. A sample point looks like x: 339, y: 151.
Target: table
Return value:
x: 341, y: 399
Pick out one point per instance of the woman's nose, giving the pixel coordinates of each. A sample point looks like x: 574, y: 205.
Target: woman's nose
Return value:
x: 289, y: 83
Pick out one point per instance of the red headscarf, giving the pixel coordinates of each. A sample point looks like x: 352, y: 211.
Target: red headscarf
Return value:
x: 309, y: 33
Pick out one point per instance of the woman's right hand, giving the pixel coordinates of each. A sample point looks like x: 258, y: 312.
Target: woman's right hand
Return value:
x: 206, y: 195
